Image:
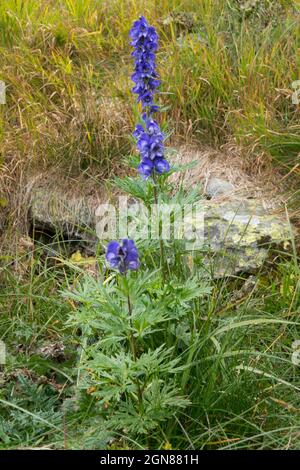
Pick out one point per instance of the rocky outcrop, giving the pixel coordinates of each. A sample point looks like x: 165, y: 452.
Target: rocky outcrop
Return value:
x: 237, y: 233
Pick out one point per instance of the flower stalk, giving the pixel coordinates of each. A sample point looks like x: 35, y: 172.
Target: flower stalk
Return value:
x: 133, y: 349
x: 161, y: 243
x: 148, y: 135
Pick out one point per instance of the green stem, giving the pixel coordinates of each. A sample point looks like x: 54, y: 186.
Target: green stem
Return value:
x: 134, y: 349
x: 161, y: 243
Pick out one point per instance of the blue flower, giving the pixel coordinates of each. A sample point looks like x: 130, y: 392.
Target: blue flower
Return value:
x: 122, y: 256
x: 145, y: 41
x: 144, y: 37
x: 138, y: 131
x: 149, y: 138
x: 147, y: 167
x: 150, y: 143
x: 150, y: 146
x: 161, y: 165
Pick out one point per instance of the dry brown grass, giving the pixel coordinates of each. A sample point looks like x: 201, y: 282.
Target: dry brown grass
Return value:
x: 250, y: 178
x: 227, y: 78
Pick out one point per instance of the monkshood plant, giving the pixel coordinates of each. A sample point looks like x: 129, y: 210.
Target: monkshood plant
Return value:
x: 138, y: 322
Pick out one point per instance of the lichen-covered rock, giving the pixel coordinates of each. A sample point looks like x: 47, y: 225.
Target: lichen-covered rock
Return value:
x: 54, y: 210
x: 239, y: 234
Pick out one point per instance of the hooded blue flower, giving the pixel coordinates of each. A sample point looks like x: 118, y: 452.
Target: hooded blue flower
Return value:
x: 147, y: 167
x: 150, y: 143
x: 122, y: 256
x: 144, y: 39
x: 149, y: 138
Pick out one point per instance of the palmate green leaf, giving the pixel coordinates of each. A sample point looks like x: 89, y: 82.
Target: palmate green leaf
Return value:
x: 111, y: 342
x: 111, y: 375
x: 98, y: 321
x: 160, y: 401
x: 115, y: 374
x: 161, y: 395
x: 99, y: 303
x: 143, y: 189
x: 92, y: 434
x: 182, y: 331
x: 182, y: 167
x: 105, y: 312
x: 156, y: 362
x: 182, y: 198
x: 136, y: 187
x: 146, y: 317
x: 178, y: 295
x: 143, y: 282
x: 92, y: 292
x: 86, y: 318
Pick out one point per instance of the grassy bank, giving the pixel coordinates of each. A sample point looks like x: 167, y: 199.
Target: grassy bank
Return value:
x: 245, y: 393
x: 227, y: 70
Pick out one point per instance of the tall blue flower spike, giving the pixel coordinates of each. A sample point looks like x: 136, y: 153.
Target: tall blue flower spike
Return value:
x: 144, y: 40
x: 149, y: 138
x: 122, y: 256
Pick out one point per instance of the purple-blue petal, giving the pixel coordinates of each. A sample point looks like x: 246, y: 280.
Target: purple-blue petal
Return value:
x: 145, y: 168
x: 112, y: 249
x: 161, y: 165
x: 122, y: 256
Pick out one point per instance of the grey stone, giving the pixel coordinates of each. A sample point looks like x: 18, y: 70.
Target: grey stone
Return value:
x: 237, y: 234
x: 52, y: 211
x: 216, y: 187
